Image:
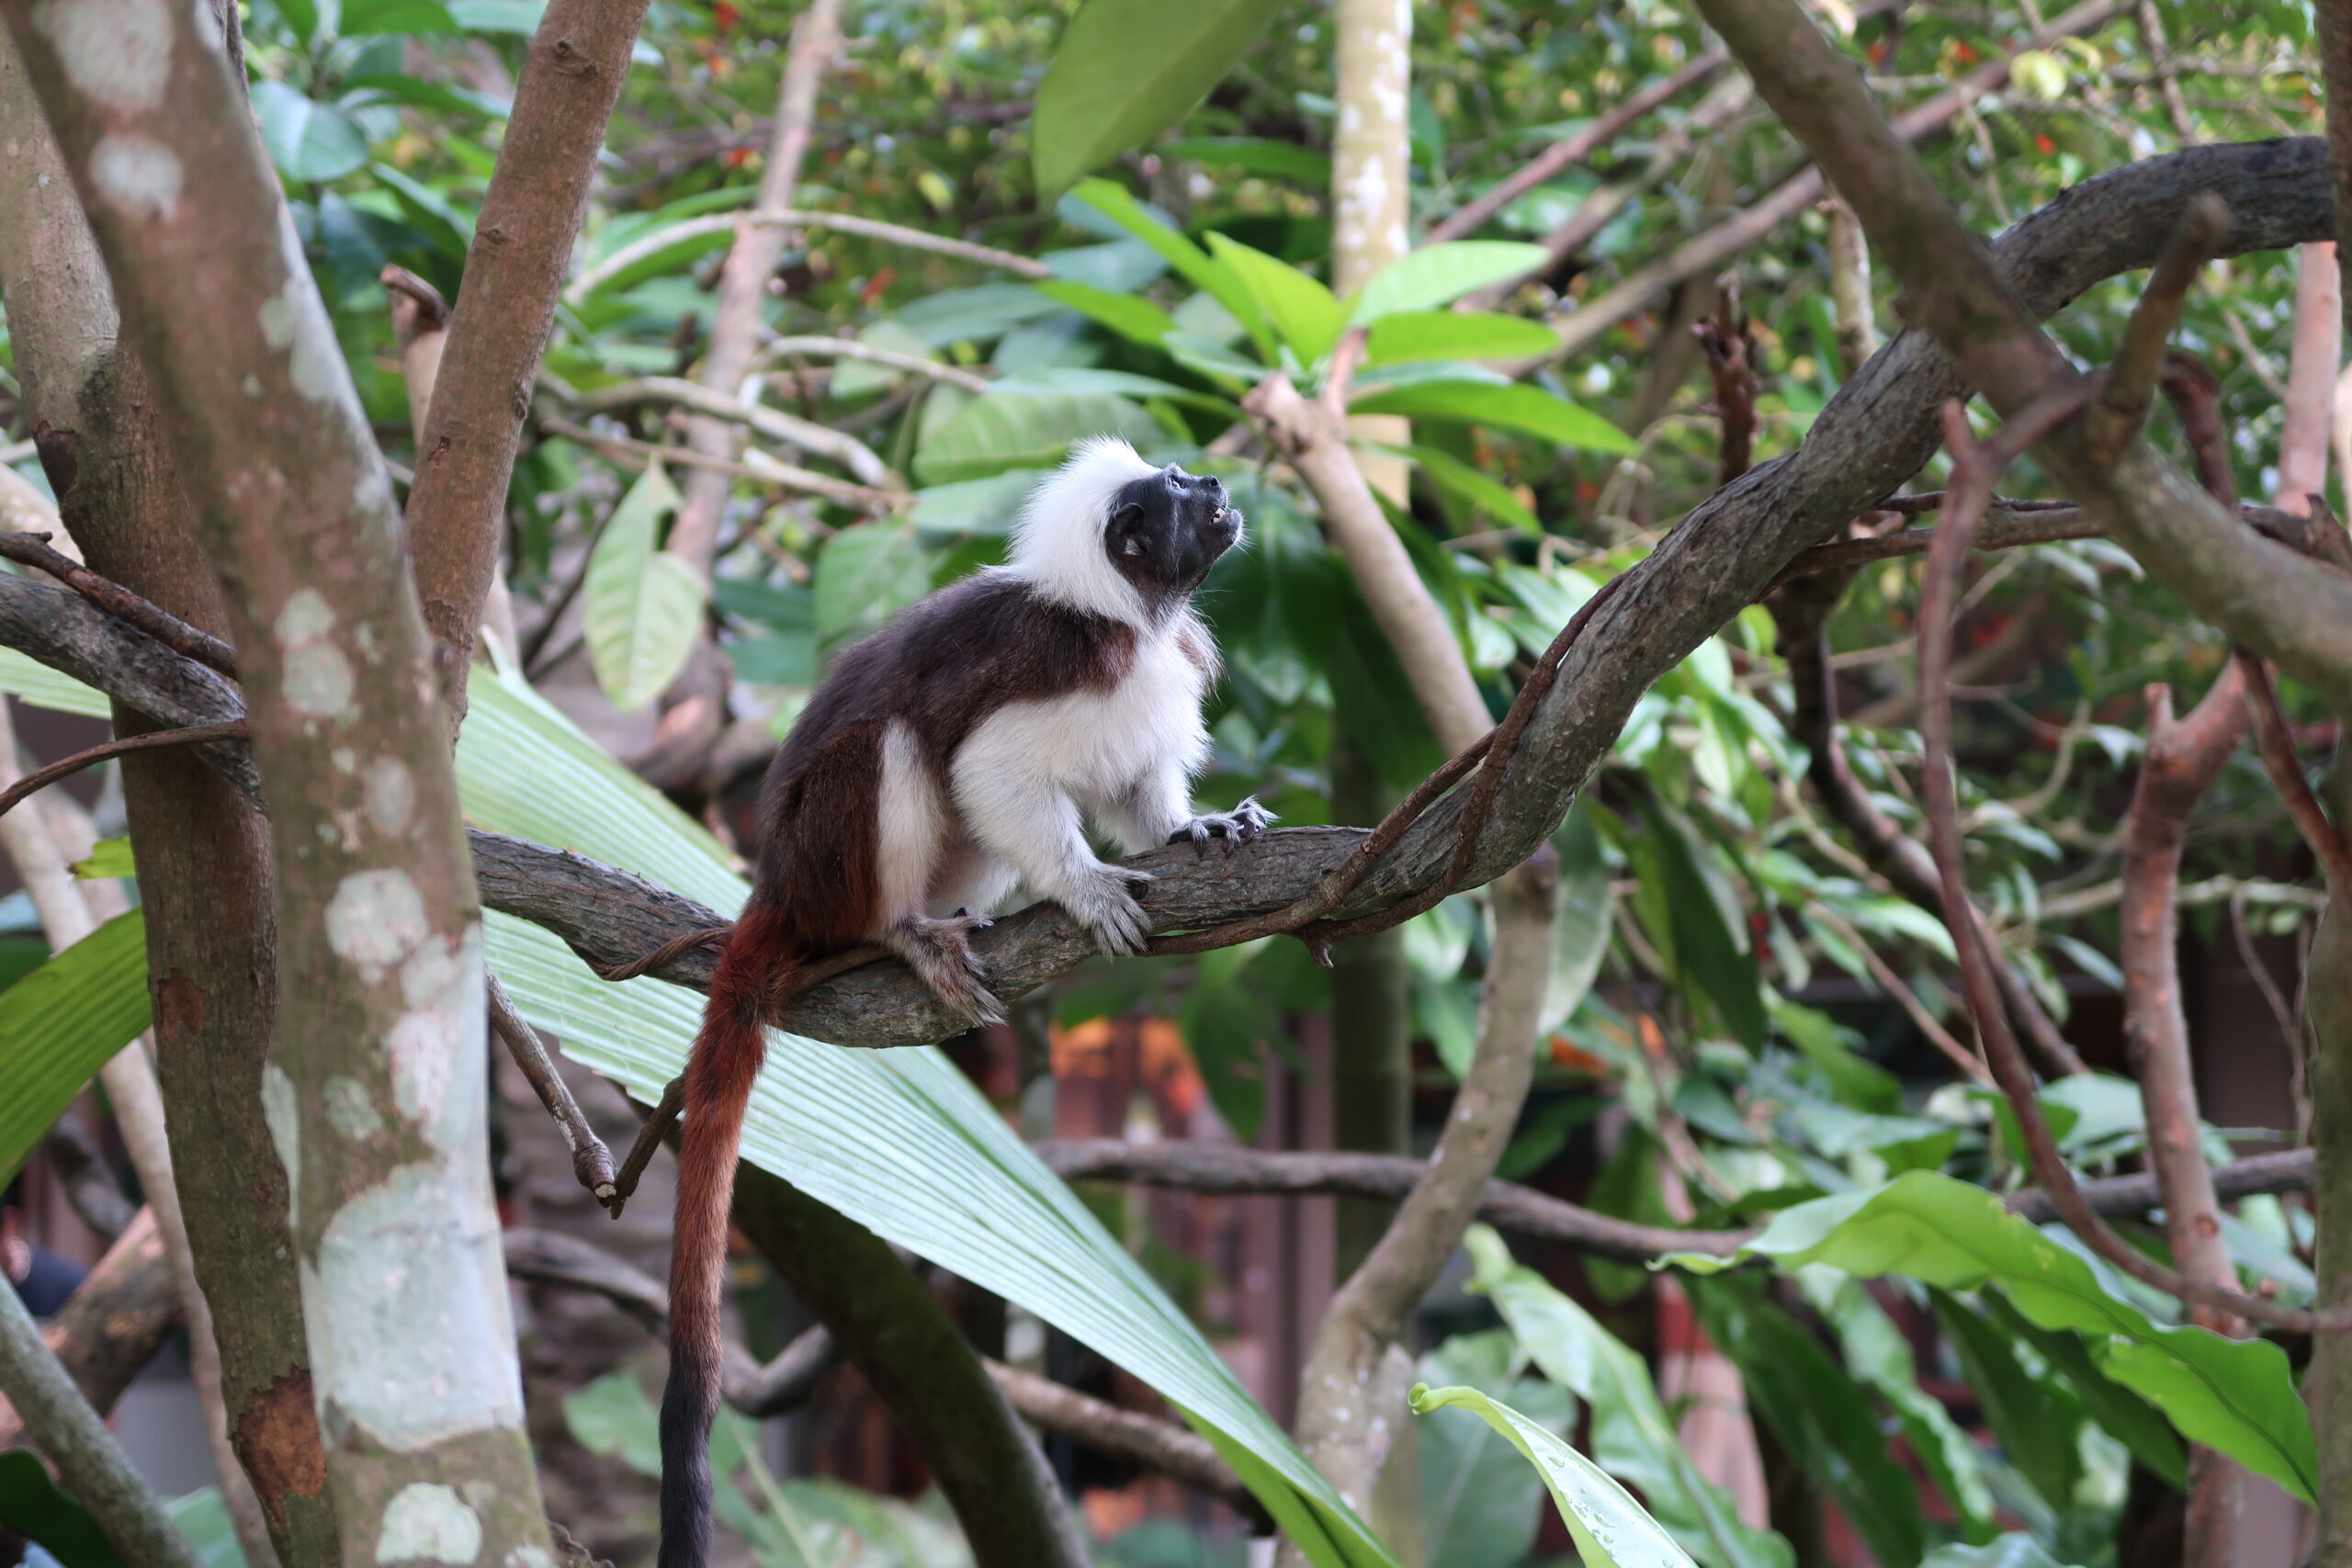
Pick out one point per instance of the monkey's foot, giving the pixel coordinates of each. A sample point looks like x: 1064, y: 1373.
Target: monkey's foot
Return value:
x: 940, y: 955
x: 1103, y: 901
x: 1245, y: 823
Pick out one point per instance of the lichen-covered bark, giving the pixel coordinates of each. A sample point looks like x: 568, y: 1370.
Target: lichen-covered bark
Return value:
x: 374, y: 1089
x: 1371, y: 179
x: 204, y: 853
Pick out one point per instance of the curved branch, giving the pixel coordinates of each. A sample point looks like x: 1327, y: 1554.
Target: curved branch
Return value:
x: 1874, y: 436
x: 791, y: 430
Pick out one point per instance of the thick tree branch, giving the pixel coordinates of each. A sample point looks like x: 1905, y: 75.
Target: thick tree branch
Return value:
x: 465, y: 449
x: 33, y: 550
x: 382, y: 1027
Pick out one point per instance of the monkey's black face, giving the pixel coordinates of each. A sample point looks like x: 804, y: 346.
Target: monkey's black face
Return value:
x: 1167, y: 529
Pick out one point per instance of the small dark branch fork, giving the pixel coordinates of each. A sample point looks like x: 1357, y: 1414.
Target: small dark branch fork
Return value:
x: 591, y: 1162
x: 34, y: 550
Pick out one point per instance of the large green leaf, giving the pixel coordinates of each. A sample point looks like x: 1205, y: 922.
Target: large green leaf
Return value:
x: 307, y: 139
x: 1130, y: 315
x: 1194, y: 264
x: 1024, y: 429
x: 1438, y: 274
x: 63, y: 1022
x: 1632, y: 1438
x: 2126, y: 1416
x: 1301, y: 309
x: 1707, y: 960
x: 1453, y: 334
x: 1825, y: 1422
x: 2236, y: 1395
x: 1530, y: 409
x: 1127, y: 71
x: 2036, y: 1420
x: 36, y: 683
x: 900, y: 1141
x: 868, y: 574
x: 642, y: 606
x: 1480, y: 1503
x: 1582, y: 937
x: 2008, y: 1552
x: 1610, y: 1528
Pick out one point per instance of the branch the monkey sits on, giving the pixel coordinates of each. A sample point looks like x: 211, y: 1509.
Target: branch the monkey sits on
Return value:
x: 951, y: 755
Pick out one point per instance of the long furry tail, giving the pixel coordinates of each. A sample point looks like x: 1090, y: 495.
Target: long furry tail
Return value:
x: 726, y: 1059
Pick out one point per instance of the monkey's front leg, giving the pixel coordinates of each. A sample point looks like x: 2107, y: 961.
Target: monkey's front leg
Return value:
x: 1033, y: 826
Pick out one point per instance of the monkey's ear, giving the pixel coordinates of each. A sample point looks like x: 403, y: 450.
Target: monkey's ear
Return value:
x: 1124, y: 535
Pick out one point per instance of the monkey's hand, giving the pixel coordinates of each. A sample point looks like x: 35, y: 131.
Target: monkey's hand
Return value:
x: 1244, y: 824
x: 1103, y: 899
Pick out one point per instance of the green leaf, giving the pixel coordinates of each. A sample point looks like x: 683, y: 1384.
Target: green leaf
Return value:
x: 2035, y: 1419
x: 446, y: 96
x: 1025, y: 429
x: 1193, y: 263
x: 35, y: 682
x: 520, y: 17
x: 1528, y: 409
x: 1825, y: 1423
x: 974, y: 506
x: 1301, y: 309
x: 1453, y: 334
x: 1877, y: 1352
x: 900, y: 1141
x: 866, y: 575
x: 2126, y: 1416
x: 37, y: 1508
x: 301, y: 19
x: 1707, y: 960
x: 2237, y: 1396
x: 1127, y: 71
x: 1627, y: 1187
x: 1609, y: 1527
x: 63, y: 1022
x: 1438, y: 274
x: 1254, y: 155
x: 1472, y: 487
x: 1581, y: 938
x: 203, y: 1518
x: 1130, y: 315
x: 1632, y: 1438
x: 364, y: 18
x: 641, y: 605
x: 107, y: 858
x: 1481, y: 1504
x: 307, y: 139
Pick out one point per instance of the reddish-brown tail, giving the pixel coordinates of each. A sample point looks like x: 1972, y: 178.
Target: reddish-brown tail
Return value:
x: 727, y: 1058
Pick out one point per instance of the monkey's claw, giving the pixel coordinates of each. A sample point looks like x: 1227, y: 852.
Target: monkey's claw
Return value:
x: 1245, y: 823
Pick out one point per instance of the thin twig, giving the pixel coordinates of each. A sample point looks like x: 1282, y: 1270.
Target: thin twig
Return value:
x: 41, y: 778
x: 634, y: 454
x: 2277, y: 744
x: 1570, y: 151
x: 888, y: 358
x: 2129, y: 386
x: 658, y: 1124
x: 591, y: 1162
x: 33, y: 550
x: 789, y: 429
x: 653, y: 244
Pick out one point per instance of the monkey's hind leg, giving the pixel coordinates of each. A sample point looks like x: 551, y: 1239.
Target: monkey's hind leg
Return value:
x: 940, y: 952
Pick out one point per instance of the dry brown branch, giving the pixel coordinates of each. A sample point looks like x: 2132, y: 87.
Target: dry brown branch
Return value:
x: 2285, y: 766
x: 33, y: 550
x: 591, y: 1162
x: 2129, y: 385
x: 1729, y: 344
x: 1158, y: 1445
x: 571, y: 79
x: 736, y: 322
x: 1976, y: 468
x: 41, y: 778
x: 634, y: 455
x: 890, y: 359
x: 1570, y: 151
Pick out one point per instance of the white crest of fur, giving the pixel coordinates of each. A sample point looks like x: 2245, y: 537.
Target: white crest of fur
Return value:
x: 1057, y: 540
